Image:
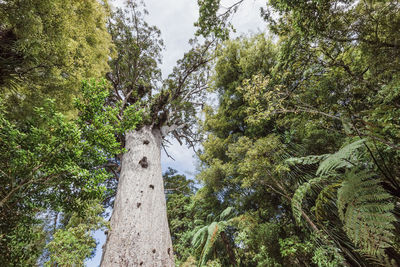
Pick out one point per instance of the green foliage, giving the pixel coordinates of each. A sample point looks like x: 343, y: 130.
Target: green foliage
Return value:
x: 343, y: 158
x: 179, y: 191
x: 307, y: 160
x: 205, y: 237
x: 214, y: 263
x: 52, y: 152
x: 47, y: 48
x: 364, y: 207
x: 73, y: 244
x: 300, y: 193
x: 346, y: 157
x: 326, y: 200
x: 209, y: 21
x: 366, y: 211
x: 25, y: 243
x: 328, y: 256
x: 245, y: 163
x: 138, y: 47
x: 51, y: 163
x: 292, y: 246
x: 258, y: 240
x: 294, y: 119
x: 102, y: 122
x: 46, y: 165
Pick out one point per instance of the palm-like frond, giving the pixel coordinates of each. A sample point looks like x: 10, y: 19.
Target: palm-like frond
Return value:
x: 212, y: 233
x: 364, y: 207
x: 325, y: 197
x: 366, y: 211
x: 344, y: 158
x: 226, y: 214
x: 300, y: 193
x: 205, y: 237
x: 199, y: 237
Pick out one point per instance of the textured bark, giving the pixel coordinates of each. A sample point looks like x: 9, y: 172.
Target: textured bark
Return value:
x: 139, y: 234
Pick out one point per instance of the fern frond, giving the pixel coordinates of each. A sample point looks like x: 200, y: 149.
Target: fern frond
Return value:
x: 365, y: 209
x: 381, y: 261
x: 327, y: 194
x: 212, y: 233
x: 205, y: 237
x: 199, y: 237
x: 340, y: 159
x: 301, y: 192
x: 226, y: 214
x: 210, y: 218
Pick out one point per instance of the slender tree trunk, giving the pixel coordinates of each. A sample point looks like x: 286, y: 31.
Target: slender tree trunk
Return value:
x: 139, y: 234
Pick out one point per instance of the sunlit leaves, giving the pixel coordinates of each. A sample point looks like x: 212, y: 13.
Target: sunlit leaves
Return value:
x: 48, y: 47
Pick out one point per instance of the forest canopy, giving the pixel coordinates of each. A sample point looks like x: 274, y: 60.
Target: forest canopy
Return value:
x: 299, y: 159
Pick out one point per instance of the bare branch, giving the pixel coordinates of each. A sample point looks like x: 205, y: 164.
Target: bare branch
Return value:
x: 176, y: 135
x: 166, y: 152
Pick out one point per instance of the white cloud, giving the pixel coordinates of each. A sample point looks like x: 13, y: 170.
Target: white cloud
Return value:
x: 183, y: 159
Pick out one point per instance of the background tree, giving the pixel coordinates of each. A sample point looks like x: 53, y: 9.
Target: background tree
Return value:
x: 328, y: 82
x: 47, y: 48
x: 236, y: 169
x: 179, y: 192
x: 74, y: 244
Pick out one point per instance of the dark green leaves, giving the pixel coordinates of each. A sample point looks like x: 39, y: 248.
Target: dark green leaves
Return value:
x: 49, y: 162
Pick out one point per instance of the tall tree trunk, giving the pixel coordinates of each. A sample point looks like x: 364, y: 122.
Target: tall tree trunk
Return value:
x: 139, y: 234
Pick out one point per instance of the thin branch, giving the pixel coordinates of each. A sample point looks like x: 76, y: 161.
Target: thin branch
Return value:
x: 229, y: 9
x: 25, y: 183
x: 166, y: 152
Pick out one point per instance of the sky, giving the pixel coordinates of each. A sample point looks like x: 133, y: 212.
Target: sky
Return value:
x: 175, y: 19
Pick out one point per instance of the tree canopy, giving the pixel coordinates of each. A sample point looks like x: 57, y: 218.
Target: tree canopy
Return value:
x: 48, y: 47
x: 298, y: 144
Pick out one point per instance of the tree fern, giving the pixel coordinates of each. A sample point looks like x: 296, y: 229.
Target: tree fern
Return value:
x: 365, y: 210
x: 206, y: 236
x: 199, y: 236
x: 301, y: 192
x: 226, y: 214
x: 326, y: 196
x: 345, y: 157
x: 364, y: 207
x: 213, y: 231
x: 331, y: 162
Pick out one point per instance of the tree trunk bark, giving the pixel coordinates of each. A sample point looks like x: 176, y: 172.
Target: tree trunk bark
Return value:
x: 139, y: 234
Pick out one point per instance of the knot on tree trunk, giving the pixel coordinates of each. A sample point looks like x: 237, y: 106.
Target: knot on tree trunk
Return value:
x: 143, y: 162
